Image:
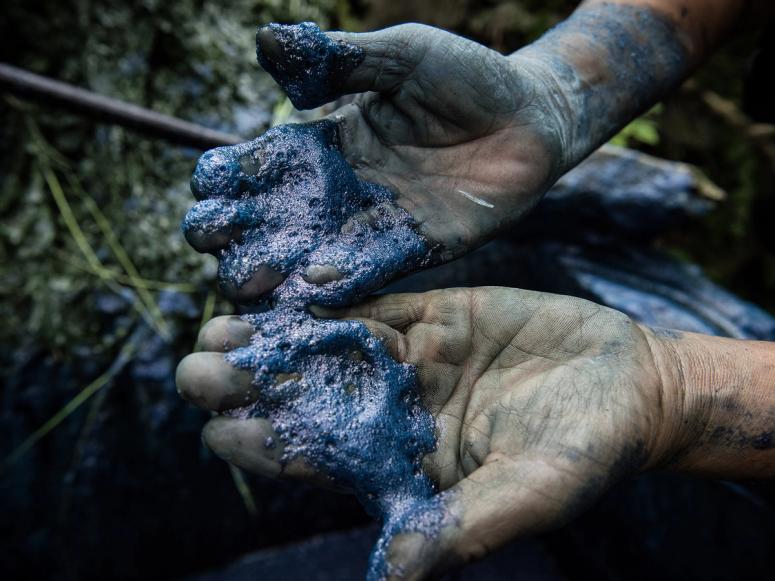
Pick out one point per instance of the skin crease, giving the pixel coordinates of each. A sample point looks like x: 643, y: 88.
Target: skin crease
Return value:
x: 543, y: 401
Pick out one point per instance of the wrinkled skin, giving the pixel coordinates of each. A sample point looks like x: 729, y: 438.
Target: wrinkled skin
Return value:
x: 442, y: 115
x: 541, y: 401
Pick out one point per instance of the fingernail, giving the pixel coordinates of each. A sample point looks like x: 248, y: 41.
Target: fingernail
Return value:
x: 267, y: 43
x: 263, y: 280
x: 321, y: 274
x: 203, y: 241
x: 239, y: 331
x: 322, y: 312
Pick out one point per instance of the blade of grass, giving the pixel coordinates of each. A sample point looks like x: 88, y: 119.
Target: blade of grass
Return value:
x: 81, y: 241
x: 208, y: 309
x: 91, y: 420
x: 71, y: 221
x: 124, y: 356
x: 122, y: 256
x: 46, y: 155
x: 124, y: 280
x: 244, y: 490
x: 282, y: 112
x: 42, y: 148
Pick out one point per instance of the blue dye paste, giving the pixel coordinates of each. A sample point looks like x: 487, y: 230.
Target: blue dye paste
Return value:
x: 336, y: 398
x: 296, y: 202
x: 344, y: 405
x: 311, y: 67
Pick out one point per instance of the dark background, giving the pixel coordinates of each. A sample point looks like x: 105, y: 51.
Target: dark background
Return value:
x: 98, y: 290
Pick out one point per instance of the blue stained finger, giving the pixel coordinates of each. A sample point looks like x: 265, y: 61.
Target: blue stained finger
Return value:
x: 358, y: 420
x: 306, y: 63
x: 293, y: 197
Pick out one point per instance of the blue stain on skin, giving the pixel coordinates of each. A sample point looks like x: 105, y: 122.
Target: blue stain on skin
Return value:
x: 335, y: 397
x: 643, y: 59
x: 311, y: 67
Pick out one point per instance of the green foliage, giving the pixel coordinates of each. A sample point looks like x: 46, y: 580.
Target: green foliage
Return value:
x: 126, y: 194
x: 642, y: 131
x: 195, y: 59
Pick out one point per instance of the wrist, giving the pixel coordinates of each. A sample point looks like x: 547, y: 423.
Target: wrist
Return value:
x: 602, y: 67
x: 686, y: 403
x: 717, y: 405
x: 554, y: 109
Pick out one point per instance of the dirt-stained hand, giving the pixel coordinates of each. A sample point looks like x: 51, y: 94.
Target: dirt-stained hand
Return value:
x: 541, y: 403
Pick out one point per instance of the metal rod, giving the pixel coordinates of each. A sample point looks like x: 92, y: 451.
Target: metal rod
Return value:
x: 26, y: 84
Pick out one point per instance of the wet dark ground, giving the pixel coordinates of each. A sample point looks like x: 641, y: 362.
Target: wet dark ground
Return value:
x: 127, y: 491
x: 344, y: 555
x: 655, y: 527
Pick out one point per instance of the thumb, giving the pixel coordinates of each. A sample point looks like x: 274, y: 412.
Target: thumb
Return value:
x: 314, y: 67
x: 501, y: 500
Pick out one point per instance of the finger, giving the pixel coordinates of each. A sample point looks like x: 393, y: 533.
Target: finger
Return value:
x: 217, y: 172
x: 501, y: 500
x: 314, y: 67
x: 208, y: 381
x: 211, y: 224
x: 211, y: 241
x: 253, y: 444
x: 321, y: 269
x: 263, y: 280
x: 222, y: 334
x: 396, y: 310
x: 394, y: 341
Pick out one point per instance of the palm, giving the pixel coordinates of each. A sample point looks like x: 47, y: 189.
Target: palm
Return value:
x: 440, y: 138
x: 533, y: 378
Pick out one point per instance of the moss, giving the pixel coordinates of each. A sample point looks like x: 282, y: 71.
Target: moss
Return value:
x: 190, y: 59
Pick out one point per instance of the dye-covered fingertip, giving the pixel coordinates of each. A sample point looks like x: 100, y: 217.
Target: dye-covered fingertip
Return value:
x: 217, y: 174
x: 203, y: 241
x: 310, y: 66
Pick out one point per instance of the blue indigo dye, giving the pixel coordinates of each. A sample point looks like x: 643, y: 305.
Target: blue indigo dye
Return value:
x: 289, y: 200
x: 307, y: 64
x: 338, y: 400
x: 295, y: 202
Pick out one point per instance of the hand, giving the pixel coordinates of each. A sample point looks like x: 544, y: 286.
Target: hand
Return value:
x: 541, y: 403
x: 465, y: 137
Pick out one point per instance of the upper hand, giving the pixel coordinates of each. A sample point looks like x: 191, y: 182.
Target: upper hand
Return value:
x: 463, y: 135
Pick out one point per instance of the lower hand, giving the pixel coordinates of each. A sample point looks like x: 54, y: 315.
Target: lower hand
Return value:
x: 541, y: 402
